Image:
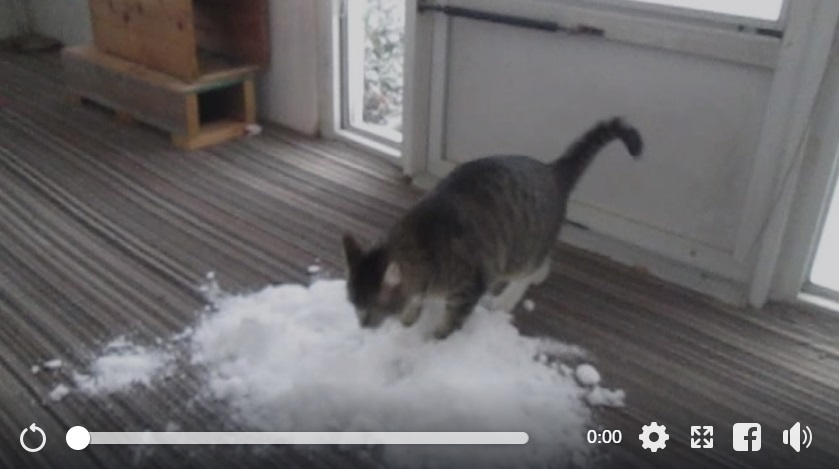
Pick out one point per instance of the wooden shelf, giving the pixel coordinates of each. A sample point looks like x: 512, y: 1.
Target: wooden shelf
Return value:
x: 170, y: 36
x: 216, y: 71
x: 216, y: 107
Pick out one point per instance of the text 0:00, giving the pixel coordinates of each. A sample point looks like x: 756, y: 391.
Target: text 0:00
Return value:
x: 606, y: 436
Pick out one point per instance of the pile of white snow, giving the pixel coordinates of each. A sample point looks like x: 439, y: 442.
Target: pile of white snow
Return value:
x: 293, y: 358
x: 122, y: 365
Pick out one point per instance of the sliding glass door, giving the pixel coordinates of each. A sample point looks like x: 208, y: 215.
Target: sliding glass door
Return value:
x: 372, y: 61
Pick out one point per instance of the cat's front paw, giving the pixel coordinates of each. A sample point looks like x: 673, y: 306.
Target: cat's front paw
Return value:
x: 408, y: 321
x: 442, y: 331
x: 410, y: 317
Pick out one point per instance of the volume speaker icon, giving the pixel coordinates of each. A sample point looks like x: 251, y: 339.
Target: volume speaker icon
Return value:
x: 798, y: 437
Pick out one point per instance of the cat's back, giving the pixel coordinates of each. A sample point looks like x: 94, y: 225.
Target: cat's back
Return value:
x: 494, y: 186
x: 496, y: 175
x: 493, y: 190
x: 499, y: 212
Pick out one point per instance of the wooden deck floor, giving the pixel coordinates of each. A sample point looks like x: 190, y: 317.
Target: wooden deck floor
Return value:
x: 106, y: 230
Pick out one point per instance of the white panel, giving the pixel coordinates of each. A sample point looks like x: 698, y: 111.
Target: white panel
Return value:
x: 769, y: 10
x: 519, y: 91
x: 644, y: 26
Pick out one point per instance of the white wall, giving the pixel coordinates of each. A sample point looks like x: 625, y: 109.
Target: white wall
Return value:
x: 289, y: 87
x: 65, y: 20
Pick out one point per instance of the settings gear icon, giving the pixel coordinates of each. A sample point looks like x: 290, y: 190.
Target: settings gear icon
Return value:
x: 660, y: 442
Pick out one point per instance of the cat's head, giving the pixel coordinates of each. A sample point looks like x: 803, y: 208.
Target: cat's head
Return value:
x: 374, y: 283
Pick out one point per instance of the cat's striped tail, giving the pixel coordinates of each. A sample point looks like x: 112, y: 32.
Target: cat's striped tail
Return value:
x: 577, y: 158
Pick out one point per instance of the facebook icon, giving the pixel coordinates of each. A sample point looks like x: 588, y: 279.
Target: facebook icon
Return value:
x: 746, y: 437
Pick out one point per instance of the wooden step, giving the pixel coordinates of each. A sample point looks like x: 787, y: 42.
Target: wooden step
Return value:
x: 214, y: 108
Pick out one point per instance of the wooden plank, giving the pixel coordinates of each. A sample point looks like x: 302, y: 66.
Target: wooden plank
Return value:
x: 134, y: 92
x: 154, y: 33
x: 219, y: 75
x: 236, y: 29
x: 215, y: 70
x: 167, y: 36
x: 123, y: 91
x: 193, y: 115
x: 249, y: 92
x: 210, y: 134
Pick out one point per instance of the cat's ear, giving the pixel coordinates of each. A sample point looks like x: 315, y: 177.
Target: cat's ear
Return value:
x: 352, y: 250
x: 393, y: 275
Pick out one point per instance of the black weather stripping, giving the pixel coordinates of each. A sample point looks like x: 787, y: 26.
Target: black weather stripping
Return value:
x: 509, y: 20
x: 517, y: 21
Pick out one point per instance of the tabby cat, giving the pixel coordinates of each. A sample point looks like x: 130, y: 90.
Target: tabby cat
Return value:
x: 491, y: 221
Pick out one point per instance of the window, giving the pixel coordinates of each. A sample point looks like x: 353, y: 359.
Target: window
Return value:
x: 373, y: 52
x: 765, y: 10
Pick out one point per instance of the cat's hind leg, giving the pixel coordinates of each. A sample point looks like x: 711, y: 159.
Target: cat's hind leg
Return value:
x: 498, y: 287
x: 541, y: 274
x: 488, y: 300
x: 511, y: 295
x: 515, y: 290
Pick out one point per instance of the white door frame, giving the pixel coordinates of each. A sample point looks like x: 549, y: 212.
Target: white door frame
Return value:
x: 813, y: 191
x: 330, y: 108
x: 801, y: 67
x: 777, y: 168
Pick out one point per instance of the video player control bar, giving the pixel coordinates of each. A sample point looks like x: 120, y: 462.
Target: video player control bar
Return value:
x: 79, y: 438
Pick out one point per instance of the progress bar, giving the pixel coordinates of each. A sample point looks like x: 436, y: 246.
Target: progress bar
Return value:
x: 79, y: 438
